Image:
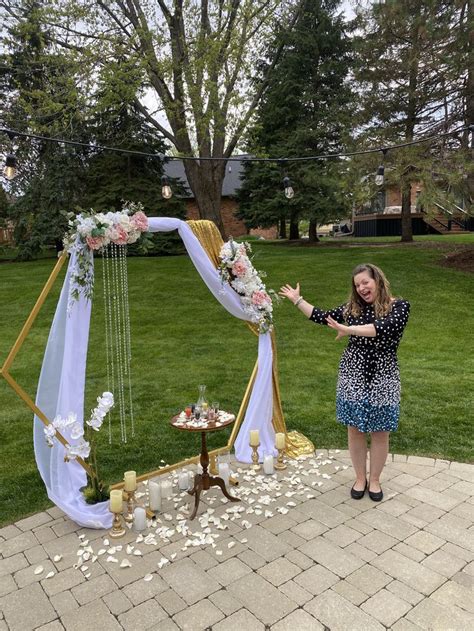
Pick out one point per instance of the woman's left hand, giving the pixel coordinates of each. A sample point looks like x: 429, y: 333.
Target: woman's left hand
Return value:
x: 342, y: 329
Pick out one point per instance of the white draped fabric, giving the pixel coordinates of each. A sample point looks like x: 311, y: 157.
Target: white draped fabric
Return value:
x: 62, y: 379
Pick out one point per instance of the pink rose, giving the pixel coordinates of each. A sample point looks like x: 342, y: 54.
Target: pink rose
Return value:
x: 260, y: 298
x: 140, y: 221
x: 95, y: 243
x: 122, y: 236
x: 239, y: 268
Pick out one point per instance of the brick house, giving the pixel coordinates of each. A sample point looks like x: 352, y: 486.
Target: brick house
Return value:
x: 232, y: 225
x: 381, y: 216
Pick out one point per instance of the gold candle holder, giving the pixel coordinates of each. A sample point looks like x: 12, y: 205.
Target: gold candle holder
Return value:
x: 131, y: 503
x: 279, y: 464
x: 117, y: 529
x: 255, y: 466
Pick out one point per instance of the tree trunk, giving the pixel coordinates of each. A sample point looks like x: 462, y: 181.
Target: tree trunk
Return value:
x: 313, y: 232
x: 470, y: 107
x: 294, y: 227
x: 282, y: 228
x: 407, y: 230
x: 205, y: 180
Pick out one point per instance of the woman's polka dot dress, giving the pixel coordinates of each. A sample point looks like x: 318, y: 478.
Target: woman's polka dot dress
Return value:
x: 368, y: 387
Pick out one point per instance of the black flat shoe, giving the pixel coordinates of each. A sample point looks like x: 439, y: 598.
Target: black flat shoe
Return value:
x: 358, y: 495
x: 376, y: 497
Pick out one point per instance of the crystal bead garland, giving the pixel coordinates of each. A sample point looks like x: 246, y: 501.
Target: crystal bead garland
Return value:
x: 109, y: 349
x: 117, y: 313
x: 126, y: 332
x: 118, y: 348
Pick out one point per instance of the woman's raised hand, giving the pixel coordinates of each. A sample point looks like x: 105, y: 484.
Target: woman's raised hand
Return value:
x: 287, y: 291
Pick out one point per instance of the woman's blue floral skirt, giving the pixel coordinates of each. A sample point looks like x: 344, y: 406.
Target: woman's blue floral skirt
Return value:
x: 367, y: 417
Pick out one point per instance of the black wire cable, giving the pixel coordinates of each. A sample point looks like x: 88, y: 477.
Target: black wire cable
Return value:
x: 11, y: 133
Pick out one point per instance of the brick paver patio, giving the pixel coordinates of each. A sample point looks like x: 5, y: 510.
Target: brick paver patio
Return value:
x: 296, y: 554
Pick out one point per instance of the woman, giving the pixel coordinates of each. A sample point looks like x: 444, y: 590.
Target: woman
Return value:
x: 368, y: 389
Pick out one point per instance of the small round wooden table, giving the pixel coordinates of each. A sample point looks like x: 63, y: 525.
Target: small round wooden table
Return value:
x: 203, y: 481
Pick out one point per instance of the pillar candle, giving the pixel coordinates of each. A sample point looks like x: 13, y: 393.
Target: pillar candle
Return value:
x: 166, y: 489
x: 139, y: 519
x: 280, y: 440
x: 224, y: 472
x: 254, y: 438
x: 183, y: 481
x: 154, y: 489
x: 116, y: 501
x: 268, y: 464
x: 130, y: 478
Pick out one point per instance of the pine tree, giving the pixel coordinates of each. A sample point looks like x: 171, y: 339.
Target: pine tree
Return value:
x: 43, y: 97
x: 305, y: 112
x: 412, y: 86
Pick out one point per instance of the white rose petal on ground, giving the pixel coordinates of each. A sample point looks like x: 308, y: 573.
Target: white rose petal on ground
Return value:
x: 148, y: 577
x: 125, y: 563
x: 39, y: 569
x: 57, y: 558
x: 50, y: 574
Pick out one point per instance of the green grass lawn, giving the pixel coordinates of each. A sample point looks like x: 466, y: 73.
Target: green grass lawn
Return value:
x: 182, y: 337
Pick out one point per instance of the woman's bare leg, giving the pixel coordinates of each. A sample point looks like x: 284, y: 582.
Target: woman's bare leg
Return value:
x: 378, y: 457
x: 358, y: 451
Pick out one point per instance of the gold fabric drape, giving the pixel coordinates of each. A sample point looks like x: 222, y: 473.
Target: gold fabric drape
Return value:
x: 296, y: 444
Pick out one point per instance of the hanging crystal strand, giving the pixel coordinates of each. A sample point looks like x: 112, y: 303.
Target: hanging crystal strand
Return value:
x: 123, y: 332
x: 109, y: 338
x: 127, y: 336
x: 118, y: 341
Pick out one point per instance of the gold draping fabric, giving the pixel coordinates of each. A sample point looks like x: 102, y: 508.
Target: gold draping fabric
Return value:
x: 296, y: 444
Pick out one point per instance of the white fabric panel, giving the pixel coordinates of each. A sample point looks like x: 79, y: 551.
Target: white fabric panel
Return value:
x: 62, y: 381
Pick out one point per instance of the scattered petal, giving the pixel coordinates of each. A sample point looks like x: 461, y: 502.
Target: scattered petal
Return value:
x: 125, y: 563
x: 88, y: 575
x: 57, y: 558
x: 137, y: 553
x: 39, y: 569
x: 101, y: 552
x: 219, y: 553
x: 231, y: 544
x: 50, y: 575
x: 148, y: 577
x: 111, y: 559
x: 129, y: 549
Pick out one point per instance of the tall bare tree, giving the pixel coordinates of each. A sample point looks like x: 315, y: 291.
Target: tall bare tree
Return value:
x: 198, y: 58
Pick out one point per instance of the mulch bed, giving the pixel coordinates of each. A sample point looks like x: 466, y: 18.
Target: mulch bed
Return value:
x: 460, y: 259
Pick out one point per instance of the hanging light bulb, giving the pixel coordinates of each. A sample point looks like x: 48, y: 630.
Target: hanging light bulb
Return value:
x: 10, y: 167
x: 379, y: 177
x: 289, y: 192
x: 166, y: 188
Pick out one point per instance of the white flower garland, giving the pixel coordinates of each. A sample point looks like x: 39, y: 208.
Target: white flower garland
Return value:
x: 93, y: 231
x: 236, y: 268
x: 82, y: 448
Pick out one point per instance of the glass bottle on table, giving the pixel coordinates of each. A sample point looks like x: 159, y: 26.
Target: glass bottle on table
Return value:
x: 202, y: 401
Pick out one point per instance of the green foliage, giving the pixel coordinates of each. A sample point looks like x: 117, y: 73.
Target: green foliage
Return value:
x: 304, y: 112
x: 412, y: 77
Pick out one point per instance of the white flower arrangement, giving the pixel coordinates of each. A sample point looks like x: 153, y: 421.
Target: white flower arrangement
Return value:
x: 236, y: 268
x: 91, y: 231
x: 73, y: 429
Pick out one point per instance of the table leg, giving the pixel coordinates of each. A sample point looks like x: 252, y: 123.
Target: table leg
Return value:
x: 221, y: 484
x: 196, y: 491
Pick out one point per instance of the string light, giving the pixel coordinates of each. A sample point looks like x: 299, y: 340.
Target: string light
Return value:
x: 380, y: 175
x: 10, y: 166
x: 289, y: 192
x: 166, y: 191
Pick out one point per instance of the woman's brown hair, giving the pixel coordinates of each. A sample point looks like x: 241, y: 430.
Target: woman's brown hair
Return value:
x: 383, y: 297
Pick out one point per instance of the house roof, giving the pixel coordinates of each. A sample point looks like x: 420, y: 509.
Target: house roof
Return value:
x: 232, y: 179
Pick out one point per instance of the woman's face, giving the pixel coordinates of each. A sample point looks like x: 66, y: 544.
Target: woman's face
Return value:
x: 366, y: 287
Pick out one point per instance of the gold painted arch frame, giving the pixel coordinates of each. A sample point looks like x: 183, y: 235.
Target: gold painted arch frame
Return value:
x: 211, y: 240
